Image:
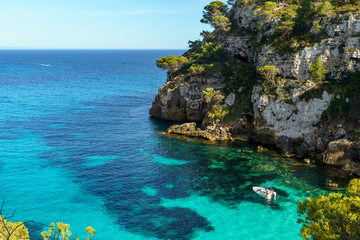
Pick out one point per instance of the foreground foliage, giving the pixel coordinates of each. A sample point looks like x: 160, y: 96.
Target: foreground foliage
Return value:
x: 12, y: 230
x: 17, y: 230
x: 61, y: 231
x: 336, y: 216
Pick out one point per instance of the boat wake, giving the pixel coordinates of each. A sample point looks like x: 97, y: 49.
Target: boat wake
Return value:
x: 45, y: 65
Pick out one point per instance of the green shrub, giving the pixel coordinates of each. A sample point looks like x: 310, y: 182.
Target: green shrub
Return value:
x: 317, y: 70
x: 209, y: 93
x: 196, y: 69
x: 267, y: 11
x: 218, y: 112
x: 325, y: 9
x: 339, y: 107
x: 208, y: 36
x: 354, y: 132
x: 171, y: 63
x: 243, y: 77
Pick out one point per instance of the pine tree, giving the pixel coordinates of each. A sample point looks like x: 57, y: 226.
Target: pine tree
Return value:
x: 336, y: 216
x: 317, y: 70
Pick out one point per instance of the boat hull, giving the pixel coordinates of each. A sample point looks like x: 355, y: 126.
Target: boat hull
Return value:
x: 263, y: 192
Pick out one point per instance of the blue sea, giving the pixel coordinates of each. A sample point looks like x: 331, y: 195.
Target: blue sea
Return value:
x: 78, y: 146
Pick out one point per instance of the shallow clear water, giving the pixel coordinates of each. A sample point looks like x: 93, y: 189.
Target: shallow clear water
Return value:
x: 77, y: 145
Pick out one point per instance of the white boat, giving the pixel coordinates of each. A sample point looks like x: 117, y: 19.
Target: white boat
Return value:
x: 266, y: 192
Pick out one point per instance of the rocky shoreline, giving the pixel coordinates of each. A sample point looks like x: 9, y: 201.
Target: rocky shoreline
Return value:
x: 340, y: 153
x: 288, y: 108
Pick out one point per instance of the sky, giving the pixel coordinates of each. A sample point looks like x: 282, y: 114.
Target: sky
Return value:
x: 100, y: 24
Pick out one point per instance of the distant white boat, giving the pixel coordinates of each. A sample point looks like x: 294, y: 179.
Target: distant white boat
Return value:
x: 266, y: 192
x: 45, y: 65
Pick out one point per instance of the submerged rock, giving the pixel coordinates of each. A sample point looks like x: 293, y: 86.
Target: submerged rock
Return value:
x: 262, y: 168
x: 330, y: 183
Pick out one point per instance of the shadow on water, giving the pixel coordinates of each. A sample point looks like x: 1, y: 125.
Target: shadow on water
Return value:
x: 121, y: 159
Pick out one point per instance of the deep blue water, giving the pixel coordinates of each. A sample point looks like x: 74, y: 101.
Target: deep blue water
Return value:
x: 77, y: 145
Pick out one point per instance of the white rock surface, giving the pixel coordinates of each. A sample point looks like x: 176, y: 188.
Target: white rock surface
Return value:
x: 290, y: 120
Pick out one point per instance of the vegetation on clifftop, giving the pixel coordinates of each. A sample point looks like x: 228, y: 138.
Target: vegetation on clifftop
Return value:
x: 287, y: 26
x: 205, y: 57
x: 295, y: 18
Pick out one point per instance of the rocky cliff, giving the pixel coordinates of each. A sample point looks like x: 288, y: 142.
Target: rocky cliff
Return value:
x: 299, y: 112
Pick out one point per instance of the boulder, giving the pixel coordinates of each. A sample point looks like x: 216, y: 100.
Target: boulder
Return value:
x: 355, y: 151
x: 337, y: 153
x: 330, y: 183
x: 241, y: 128
x: 217, y: 133
x: 212, y: 132
x: 339, y: 133
x: 310, y: 142
x: 183, y: 128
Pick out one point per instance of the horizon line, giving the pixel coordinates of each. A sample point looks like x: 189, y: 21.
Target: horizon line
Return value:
x: 101, y: 49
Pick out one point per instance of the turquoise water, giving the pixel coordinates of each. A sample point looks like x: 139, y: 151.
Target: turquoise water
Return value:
x: 77, y: 145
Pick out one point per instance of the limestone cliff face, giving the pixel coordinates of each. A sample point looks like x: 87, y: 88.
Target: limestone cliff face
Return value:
x: 285, y: 119
x: 182, y: 99
x: 293, y: 120
x: 340, y: 50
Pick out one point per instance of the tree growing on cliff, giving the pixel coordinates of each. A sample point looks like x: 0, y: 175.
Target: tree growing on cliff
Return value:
x: 336, y: 216
x: 285, y: 27
x: 325, y: 9
x: 171, y: 63
x: 317, y: 70
x: 269, y: 73
x: 304, y: 17
x: 214, y: 14
x: 222, y: 23
x: 267, y: 11
x: 211, y: 9
x: 208, y: 36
